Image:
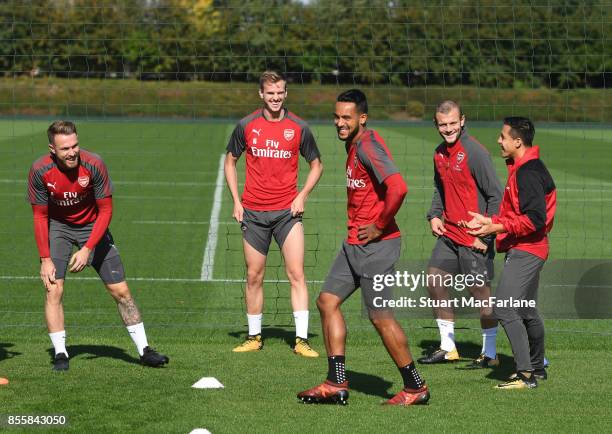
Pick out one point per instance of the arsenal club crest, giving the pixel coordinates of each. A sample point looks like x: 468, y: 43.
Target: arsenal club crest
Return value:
x: 289, y: 134
x: 83, y: 181
x: 460, y: 157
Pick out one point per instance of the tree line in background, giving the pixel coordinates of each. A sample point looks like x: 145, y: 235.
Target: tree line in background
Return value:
x: 486, y: 43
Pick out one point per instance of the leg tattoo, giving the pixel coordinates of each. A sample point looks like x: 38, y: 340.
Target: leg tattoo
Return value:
x: 128, y: 311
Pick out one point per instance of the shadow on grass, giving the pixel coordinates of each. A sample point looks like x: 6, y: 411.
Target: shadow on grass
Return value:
x: 469, y: 351
x: 288, y: 336
x: 97, y: 351
x: 369, y: 384
x: 5, y: 353
x: 505, y: 369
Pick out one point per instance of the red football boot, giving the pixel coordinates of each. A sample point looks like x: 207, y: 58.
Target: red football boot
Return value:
x: 410, y: 397
x: 326, y: 393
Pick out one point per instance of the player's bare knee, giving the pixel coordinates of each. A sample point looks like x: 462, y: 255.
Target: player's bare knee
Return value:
x: 436, y: 291
x: 254, y: 278
x: 327, y: 303
x: 435, y: 279
x: 119, y: 291
x: 296, y: 277
x: 480, y: 292
x: 323, y: 307
x: 322, y: 303
x: 54, y: 294
x: 55, y: 290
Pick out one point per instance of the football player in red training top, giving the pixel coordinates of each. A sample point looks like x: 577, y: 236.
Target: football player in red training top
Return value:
x: 71, y: 196
x: 464, y: 180
x: 273, y: 138
x: 375, y: 191
x: 525, y: 218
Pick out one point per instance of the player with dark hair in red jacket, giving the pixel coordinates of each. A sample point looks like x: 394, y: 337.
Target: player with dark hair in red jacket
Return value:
x: 522, y: 225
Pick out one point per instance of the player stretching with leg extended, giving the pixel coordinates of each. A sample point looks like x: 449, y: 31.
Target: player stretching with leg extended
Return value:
x: 71, y: 196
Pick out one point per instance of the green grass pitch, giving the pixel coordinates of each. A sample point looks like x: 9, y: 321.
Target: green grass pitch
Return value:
x: 165, y: 177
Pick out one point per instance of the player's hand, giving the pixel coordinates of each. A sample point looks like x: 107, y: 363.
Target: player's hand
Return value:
x: 479, y: 246
x: 482, y: 226
x: 238, y: 212
x: 368, y: 232
x: 437, y: 227
x: 297, y: 206
x: 79, y: 260
x: 47, y: 272
x: 477, y: 221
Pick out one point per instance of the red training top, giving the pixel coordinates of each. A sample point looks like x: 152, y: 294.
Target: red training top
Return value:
x: 272, y: 158
x: 79, y: 196
x: 464, y: 180
x: 528, y: 206
x: 368, y: 166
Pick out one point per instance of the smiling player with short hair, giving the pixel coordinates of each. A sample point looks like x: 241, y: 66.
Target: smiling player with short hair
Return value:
x: 272, y: 138
x: 525, y: 219
x: 71, y: 196
x: 464, y: 180
x: 375, y: 192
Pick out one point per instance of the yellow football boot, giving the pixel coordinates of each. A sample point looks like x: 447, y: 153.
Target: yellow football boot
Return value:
x: 303, y: 348
x: 251, y: 343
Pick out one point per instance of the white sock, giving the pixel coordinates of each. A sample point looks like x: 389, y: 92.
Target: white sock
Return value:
x: 58, y: 339
x: 138, y: 335
x: 254, y: 324
x: 301, y: 323
x: 489, y: 337
x: 447, y: 334
x: 489, y: 347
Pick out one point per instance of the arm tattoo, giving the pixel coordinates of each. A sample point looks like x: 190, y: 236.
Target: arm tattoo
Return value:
x: 128, y: 311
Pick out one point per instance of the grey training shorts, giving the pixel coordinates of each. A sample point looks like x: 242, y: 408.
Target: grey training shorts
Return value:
x: 258, y: 227
x: 457, y: 259
x: 356, y: 266
x: 104, y: 258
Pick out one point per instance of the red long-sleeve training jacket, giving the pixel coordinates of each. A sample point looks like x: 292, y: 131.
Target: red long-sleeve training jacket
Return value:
x: 528, y: 207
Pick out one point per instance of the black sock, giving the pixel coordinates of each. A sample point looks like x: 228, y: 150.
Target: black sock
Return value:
x: 411, y: 377
x: 335, y: 369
